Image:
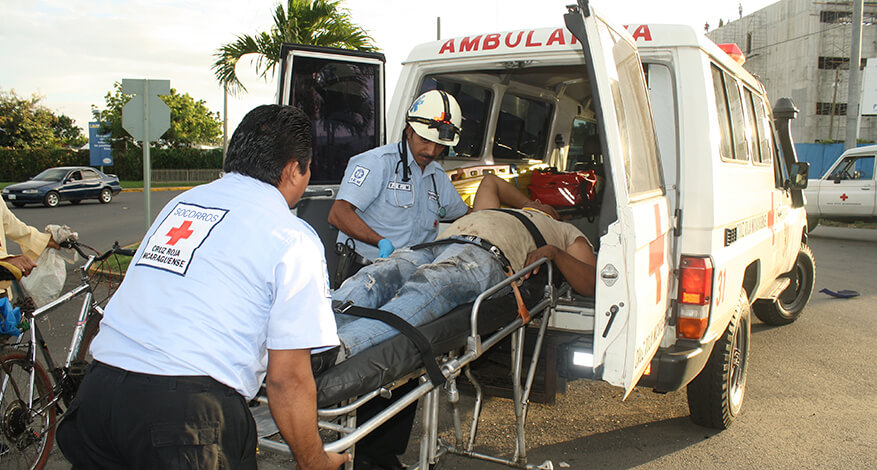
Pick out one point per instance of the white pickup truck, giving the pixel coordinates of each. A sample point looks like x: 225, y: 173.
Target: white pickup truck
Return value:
x: 847, y: 191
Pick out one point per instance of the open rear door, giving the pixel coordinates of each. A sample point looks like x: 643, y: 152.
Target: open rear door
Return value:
x: 633, y: 263
x: 342, y: 91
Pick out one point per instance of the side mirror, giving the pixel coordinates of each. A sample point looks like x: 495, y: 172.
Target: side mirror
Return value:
x: 798, y: 175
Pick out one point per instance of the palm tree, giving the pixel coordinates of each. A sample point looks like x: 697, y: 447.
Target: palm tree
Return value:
x: 311, y: 22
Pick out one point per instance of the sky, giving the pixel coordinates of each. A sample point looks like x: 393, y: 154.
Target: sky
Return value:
x: 72, y: 51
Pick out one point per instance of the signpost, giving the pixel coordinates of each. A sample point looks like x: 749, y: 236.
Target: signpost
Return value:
x: 146, y: 118
x: 99, y: 149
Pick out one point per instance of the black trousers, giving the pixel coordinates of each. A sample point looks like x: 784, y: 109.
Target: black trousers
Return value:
x: 121, y: 419
x: 382, y: 446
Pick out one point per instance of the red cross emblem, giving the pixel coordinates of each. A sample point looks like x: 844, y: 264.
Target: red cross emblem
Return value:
x: 656, y: 253
x: 844, y: 197
x: 180, y: 233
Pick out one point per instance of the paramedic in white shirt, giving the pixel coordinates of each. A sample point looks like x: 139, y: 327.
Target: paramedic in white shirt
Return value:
x: 226, y: 287
x: 386, y: 202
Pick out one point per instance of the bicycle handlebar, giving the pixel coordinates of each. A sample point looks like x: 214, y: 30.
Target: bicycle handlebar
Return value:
x: 115, y: 250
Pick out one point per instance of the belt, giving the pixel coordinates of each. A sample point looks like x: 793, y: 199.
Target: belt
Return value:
x: 472, y: 240
x: 185, y: 382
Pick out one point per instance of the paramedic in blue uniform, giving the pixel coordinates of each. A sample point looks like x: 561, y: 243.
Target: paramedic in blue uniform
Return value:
x: 394, y: 196
x: 228, y: 286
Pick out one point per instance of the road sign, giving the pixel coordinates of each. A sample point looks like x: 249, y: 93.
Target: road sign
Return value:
x: 99, y: 149
x: 146, y: 117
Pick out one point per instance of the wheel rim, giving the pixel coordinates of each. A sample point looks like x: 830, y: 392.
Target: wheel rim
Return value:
x: 52, y: 199
x: 796, y: 292
x: 106, y: 195
x: 737, y: 366
x: 24, y: 437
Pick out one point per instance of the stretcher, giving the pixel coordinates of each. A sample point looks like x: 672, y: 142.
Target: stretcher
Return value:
x: 459, y: 338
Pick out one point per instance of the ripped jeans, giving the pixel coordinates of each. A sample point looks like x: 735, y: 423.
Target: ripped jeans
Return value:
x: 417, y: 285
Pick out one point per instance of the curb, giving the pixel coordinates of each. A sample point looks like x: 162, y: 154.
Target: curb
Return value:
x: 171, y: 188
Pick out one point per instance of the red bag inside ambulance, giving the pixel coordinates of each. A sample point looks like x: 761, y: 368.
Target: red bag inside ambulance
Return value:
x: 574, y: 189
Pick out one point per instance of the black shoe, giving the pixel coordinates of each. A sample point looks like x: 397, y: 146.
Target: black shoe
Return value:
x: 370, y: 462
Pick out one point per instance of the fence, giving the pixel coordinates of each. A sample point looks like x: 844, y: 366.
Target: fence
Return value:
x: 194, y: 175
x: 820, y: 156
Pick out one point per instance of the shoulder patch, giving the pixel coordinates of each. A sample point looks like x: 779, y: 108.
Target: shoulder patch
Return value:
x: 358, y: 176
x: 173, y: 244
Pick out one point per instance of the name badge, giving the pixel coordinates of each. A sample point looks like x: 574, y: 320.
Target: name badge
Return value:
x: 399, y: 186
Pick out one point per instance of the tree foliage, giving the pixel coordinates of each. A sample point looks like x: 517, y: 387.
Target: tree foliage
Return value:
x: 311, y: 22
x: 192, y: 122
x: 26, y: 124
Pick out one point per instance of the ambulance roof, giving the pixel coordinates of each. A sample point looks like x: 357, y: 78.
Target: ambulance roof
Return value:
x: 515, y: 45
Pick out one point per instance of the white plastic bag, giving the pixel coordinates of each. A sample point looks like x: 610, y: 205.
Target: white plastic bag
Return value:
x: 46, y: 281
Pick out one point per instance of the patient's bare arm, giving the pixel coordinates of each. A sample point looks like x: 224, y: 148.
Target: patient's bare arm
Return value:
x: 577, y: 263
x: 493, y: 192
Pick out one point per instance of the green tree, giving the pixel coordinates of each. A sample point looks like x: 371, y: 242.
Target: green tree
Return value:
x: 311, y: 22
x: 26, y: 124
x: 192, y: 123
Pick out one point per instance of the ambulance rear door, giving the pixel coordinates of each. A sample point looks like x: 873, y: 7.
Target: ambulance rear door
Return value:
x: 342, y: 91
x: 633, y: 271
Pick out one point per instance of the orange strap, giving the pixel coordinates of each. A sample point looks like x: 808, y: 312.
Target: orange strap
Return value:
x: 522, y: 309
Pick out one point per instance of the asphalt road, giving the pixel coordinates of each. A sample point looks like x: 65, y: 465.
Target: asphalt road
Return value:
x: 810, y: 399
x: 99, y: 225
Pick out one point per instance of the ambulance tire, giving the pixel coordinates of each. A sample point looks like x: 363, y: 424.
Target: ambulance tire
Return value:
x: 715, y: 396
x: 789, y: 305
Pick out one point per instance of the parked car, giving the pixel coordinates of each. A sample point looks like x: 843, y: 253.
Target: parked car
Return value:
x: 65, y: 183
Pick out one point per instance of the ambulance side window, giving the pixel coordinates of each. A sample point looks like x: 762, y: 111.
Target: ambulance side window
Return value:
x: 754, y: 145
x: 738, y: 125
x: 727, y: 151
x: 765, y: 132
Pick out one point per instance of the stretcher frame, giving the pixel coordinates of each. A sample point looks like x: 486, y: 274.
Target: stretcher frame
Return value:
x: 342, y: 419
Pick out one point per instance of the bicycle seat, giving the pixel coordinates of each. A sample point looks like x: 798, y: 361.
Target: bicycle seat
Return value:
x: 9, y: 272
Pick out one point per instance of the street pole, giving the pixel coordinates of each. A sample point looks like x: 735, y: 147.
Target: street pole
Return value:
x: 852, y: 130
x: 224, y: 124
x: 147, y: 165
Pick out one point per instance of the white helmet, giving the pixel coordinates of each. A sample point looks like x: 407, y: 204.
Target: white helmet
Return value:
x: 435, y: 116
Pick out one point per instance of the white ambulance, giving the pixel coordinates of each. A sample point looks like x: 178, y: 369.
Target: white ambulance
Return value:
x: 700, y: 211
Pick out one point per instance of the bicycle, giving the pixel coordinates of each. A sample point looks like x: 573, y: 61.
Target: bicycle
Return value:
x: 30, y: 398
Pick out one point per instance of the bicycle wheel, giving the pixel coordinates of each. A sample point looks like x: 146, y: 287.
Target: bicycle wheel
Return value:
x: 92, y: 326
x: 25, y: 438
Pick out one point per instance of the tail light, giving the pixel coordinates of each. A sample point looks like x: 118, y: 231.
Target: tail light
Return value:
x: 695, y: 294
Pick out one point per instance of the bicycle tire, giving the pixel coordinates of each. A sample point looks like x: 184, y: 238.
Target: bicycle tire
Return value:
x: 92, y: 326
x: 25, y: 443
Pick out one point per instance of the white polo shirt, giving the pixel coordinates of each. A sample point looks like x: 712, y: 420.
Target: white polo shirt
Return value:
x: 225, y: 272
x: 405, y: 212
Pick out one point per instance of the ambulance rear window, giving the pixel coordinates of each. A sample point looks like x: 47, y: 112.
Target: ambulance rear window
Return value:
x: 522, y: 128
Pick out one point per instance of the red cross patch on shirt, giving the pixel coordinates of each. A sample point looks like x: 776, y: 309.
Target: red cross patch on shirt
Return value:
x: 172, y: 245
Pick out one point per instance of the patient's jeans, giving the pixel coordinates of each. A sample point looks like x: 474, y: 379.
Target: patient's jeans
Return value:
x: 417, y: 285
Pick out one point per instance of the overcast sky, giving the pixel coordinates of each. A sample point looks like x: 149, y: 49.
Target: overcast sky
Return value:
x: 72, y: 51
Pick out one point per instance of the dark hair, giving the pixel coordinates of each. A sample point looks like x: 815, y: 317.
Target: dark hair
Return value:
x: 266, y: 140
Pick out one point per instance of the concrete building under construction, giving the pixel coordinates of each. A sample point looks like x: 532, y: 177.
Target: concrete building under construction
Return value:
x: 800, y: 49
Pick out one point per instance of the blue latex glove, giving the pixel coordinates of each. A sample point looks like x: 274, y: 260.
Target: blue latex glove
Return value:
x: 9, y: 318
x: 386, y: 247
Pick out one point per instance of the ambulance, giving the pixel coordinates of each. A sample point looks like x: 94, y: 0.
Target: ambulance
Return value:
x: 699, y: 218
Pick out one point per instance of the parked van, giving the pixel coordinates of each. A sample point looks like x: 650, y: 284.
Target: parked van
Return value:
x: 700, y: 216
x: 847, y: 191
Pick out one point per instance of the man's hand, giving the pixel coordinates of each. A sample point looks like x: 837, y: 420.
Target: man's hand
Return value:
x: 53, y: 244
x: 547, y: 251
x: 23, y: 263
x: 386, y: 248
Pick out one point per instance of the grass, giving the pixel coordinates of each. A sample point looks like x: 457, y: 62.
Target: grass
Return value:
x: 161, y: 184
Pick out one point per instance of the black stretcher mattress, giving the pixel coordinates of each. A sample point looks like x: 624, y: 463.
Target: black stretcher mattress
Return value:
x: 397, y: 357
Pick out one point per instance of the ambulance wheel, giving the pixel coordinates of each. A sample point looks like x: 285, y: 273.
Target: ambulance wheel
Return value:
x: 715, y: 396
x: 789, y: 305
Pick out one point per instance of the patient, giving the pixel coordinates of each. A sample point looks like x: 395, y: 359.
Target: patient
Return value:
x: 422, y: 284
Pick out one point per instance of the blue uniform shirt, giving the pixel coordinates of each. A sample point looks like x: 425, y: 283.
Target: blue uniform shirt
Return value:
x: 405, y: 212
